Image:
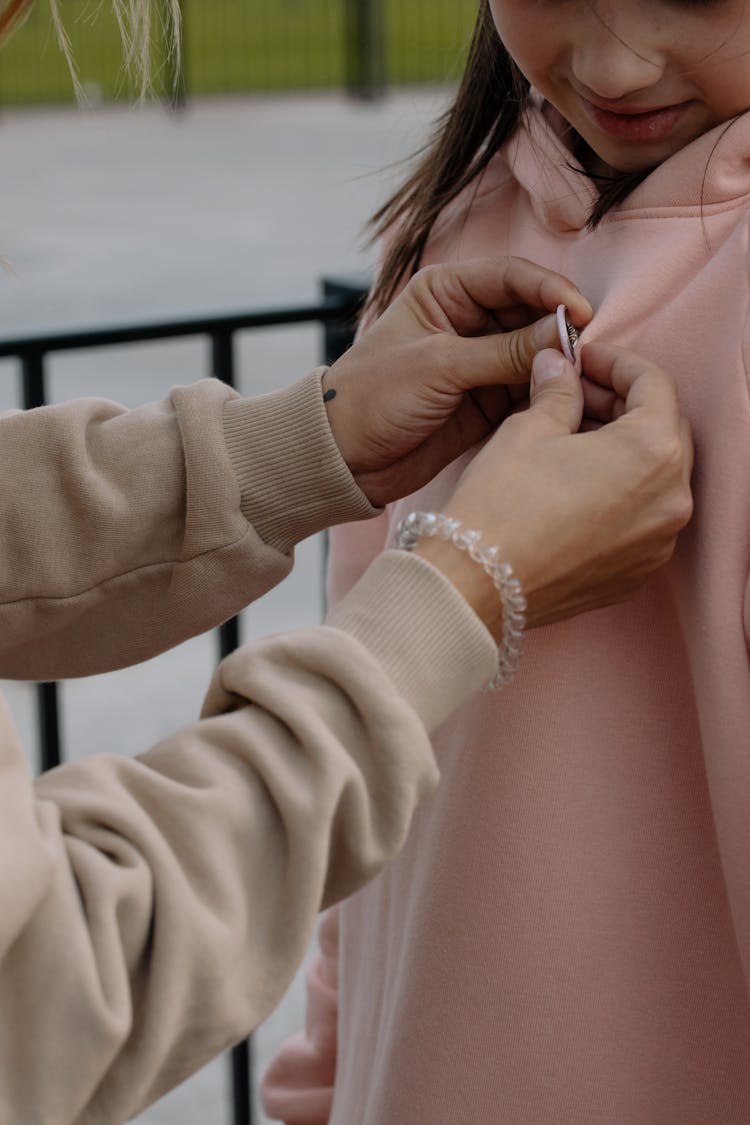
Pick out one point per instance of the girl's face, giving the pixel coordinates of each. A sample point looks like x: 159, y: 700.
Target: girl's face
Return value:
x: 637, y: 79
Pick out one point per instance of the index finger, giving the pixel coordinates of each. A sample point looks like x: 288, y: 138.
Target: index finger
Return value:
x: 503, y: 286
x: 644, y: 393
x: 638, y: 383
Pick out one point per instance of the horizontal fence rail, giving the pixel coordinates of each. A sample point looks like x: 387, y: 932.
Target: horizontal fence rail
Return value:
x: 336, y: 312
x: 338, y: 305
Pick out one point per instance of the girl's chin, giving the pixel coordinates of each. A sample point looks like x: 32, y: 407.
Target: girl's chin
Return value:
x: 596, y: 165
x: 609, y: 160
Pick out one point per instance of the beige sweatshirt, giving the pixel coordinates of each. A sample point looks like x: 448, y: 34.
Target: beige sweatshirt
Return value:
x: 154, y: 909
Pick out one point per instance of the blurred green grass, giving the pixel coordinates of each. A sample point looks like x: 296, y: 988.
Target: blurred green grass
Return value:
x: 235, y: 45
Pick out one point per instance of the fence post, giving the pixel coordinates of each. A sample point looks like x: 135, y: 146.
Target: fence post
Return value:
x: 364, y: 43
x: 47, y: 701
x: 241, y: 1058
x: 223, y: 367
x: 338, y: 334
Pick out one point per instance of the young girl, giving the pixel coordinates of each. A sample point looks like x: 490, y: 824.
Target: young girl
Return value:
x: 566, y: 938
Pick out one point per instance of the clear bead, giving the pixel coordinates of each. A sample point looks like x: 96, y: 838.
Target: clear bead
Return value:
x: 418, y: 525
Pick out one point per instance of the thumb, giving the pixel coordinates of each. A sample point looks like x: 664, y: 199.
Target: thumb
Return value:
x: 516, y: 349
x: 501, y: 357
x: 556, y: 395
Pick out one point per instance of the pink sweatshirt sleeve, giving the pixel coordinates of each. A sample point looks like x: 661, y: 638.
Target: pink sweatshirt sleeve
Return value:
x: 353, y: 546
x: 298, y: 1085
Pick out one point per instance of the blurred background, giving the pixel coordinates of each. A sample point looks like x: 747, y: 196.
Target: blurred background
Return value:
x: 250, y: 181
x: 232, y: 46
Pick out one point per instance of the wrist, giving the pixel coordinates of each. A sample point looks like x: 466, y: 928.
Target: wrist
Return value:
x: 471, y: 581
x: 435, y: 650
x: 341, y: 424
x: 292, y: 480
x: 420, y: 526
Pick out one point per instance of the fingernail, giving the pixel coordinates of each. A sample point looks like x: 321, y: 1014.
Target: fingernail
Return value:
x: 548, y: 364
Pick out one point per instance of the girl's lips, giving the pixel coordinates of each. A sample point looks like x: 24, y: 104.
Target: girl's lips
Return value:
x: 653, y: 125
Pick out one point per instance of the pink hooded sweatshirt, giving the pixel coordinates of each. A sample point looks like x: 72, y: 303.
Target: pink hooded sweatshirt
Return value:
x: 565, y: 940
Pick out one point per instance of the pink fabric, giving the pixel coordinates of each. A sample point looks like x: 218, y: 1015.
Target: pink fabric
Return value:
x: 298, y: 1085
x: 566, y: 936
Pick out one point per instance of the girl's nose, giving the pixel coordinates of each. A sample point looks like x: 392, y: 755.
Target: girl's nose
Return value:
x: 613, y: 67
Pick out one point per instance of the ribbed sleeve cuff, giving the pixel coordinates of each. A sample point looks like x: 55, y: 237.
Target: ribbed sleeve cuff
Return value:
x: 430, y: 642
x: 292, y: 477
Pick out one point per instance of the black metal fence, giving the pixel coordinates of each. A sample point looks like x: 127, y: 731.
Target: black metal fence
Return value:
x: 241, y: 45
x: 336, y: 313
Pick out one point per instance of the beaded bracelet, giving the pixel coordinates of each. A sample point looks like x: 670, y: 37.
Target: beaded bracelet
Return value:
x: 425, y: 525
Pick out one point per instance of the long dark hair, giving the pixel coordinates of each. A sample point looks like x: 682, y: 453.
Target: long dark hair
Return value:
x: 485, y: 113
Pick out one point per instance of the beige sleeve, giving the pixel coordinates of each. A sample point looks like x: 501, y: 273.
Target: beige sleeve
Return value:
x: 126, y: 531
x: 155, y: 909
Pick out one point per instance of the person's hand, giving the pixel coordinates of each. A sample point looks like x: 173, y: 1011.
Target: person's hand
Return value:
x: 421, y: 385
x: 583, y: 518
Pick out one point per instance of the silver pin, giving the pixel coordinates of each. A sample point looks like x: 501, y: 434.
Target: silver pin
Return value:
x: 568, y: 334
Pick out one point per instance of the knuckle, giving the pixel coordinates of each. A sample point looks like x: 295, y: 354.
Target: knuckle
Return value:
x: 669, y: 453
x: 423, y: 282
x: 427, y: 274
x: 447, y: 363
x: 422, y: 274
x: 511, y: 353
x: 662, y: 456
x: 684, y: 508
x: 446, y: 359
x: 679, y: 511
x: 666, y: 465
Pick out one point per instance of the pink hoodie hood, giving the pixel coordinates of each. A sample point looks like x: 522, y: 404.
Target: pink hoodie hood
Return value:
x: 713, y: 171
